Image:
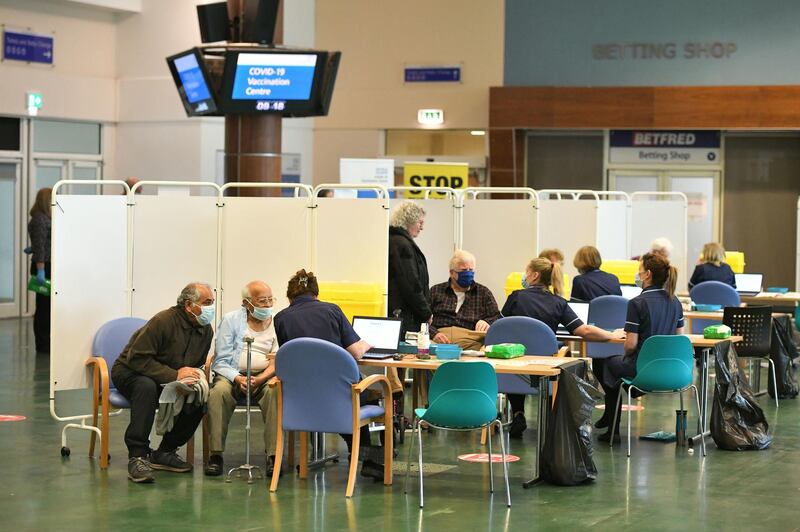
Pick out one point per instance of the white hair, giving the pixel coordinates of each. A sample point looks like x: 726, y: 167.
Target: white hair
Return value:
x: 662, y: 245
x: 191, y: 293
x: 406, y: 214
x: 247, y: 290
x: 460, y: 257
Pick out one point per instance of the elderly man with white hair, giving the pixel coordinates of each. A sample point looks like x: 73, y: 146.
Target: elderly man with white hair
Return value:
x: 253, y: 319
x: 462, y: 309
x: 170, y: 347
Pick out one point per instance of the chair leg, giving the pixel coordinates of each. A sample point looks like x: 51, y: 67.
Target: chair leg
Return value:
x: 290, y: 452
x: 95, y: 410
x: 410, y: 447
x: 104, y: 434
x: 276, y: 473
x: 491, y: 471
x: 303, y: 454
x: 388, y: 446
x: 419, y: 439
x: 351, y: 478
x: 774, y: 381
x: 614, y: 421
x: 629, y: 421
x: 483, y: 436
x: 505, y: 463
x: 697, y: 402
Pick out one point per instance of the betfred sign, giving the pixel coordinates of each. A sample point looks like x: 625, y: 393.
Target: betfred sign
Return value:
x: 440, y: 175
x: 665, y: 147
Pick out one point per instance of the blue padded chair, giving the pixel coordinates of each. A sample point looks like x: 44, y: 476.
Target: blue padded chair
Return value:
x: 109, y: 341
x: 461, y: 398
x: 664, y: 365
x: 537, y: 338
x: 319, y: 391
x: 712, y: 293
x: 607, y: 312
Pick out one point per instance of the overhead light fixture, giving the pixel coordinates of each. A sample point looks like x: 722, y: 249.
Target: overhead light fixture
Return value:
x: 477, y: 132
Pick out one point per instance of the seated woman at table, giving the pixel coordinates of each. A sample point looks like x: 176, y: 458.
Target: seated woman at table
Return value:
x: 308, y: 317
x: 536, y: 301
x: 556, y: 256
x: 656, y: 311
x: 592, y: 282
x: 713, y: 267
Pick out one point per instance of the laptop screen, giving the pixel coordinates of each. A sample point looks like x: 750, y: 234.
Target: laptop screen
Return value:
x: 749, y: 282
x: 581, y: 310
x: 629, y: 292
x: 383, y: 334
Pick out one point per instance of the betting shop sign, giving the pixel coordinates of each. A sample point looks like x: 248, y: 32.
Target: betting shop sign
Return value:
x: 664, y: 147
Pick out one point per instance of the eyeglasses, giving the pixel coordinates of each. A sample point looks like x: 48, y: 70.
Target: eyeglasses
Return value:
x: 263, y: 300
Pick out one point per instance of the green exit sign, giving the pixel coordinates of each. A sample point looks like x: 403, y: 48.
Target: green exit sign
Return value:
x: 35, y: 100
x: 430, y: 117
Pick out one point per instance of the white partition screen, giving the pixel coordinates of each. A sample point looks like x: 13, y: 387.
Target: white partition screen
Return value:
x: 90, y: 280
x: 437, y: 241
x: 263, y: 238
x: 661, y: 214
x: 567, y: 224
x: 613, y: 229
x: 174, y: 243
x: 352, y: 240
x: 501, y: 233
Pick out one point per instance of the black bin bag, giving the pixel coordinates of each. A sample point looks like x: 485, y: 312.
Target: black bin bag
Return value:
x: 567, y: 455
x: 782, y: 352
x: 737, y: 422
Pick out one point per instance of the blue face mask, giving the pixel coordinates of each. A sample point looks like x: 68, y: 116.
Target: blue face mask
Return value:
x: 525, y: 283
x: 637, y: 280
x: 465, y: 278
x: 206, y: 315
x: 261, y: 313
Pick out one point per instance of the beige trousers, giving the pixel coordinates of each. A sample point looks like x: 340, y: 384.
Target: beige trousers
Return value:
x: 222, y: 401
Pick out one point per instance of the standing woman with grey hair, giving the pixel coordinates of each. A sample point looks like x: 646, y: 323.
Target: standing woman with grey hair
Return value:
x: 409, y: 285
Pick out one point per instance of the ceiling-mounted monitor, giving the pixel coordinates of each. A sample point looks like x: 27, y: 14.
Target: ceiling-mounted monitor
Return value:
x: 290, y: 82
x: 192, y: 80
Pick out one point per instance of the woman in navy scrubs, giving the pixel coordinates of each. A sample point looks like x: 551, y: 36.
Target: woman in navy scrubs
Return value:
x: 537, y: 301
x: 592, y: 282
x: 656, y: 311
x: 712, y: 267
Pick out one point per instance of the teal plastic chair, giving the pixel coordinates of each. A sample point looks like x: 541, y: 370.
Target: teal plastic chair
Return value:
x: 664, y: 365
x: 462, y: 397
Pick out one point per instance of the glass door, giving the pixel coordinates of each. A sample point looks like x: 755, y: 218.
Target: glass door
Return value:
x: 10, y: 247
x: 703, y: 213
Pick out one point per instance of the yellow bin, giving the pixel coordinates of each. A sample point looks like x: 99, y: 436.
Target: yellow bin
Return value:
x: 625, y: 270
x: 735, y: 260
x: 355, y: 299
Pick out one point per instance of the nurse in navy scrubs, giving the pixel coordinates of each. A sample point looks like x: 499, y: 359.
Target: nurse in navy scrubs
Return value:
x: 712, y: 267
x: 656, y: 311
x: 537, y: 301
x: 592, y: 282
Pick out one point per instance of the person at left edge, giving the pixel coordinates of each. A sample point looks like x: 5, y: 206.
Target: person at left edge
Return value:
x: 39, y: 234
x: 167, y: 348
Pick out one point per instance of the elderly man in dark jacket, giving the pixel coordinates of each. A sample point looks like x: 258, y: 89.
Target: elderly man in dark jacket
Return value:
x: 409, y: 286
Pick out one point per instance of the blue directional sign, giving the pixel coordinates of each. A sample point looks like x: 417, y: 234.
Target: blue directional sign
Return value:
x: 28, y: 47
x: 432, y: 74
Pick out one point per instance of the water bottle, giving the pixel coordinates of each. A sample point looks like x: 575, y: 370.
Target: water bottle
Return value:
x: 680, y: 428
x: 423, y: 342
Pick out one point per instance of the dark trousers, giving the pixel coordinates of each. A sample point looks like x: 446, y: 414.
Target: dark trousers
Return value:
x: 143, y: 393
x: 517, y: 401
x: 614, y: 369
x: 41, y: 317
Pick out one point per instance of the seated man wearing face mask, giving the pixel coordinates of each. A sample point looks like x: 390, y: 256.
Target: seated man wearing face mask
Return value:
x: 253, y: 319
x: 462, y: 309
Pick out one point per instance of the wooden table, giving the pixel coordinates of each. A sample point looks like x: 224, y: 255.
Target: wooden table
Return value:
x: 784, y: 302
x: 545, y: 368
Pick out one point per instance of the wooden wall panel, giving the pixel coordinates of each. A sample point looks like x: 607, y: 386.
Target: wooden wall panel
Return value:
x: 729, y: 107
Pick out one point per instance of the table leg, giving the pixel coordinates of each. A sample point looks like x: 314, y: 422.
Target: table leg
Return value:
x: 541, y: 428
x: 702, y: 428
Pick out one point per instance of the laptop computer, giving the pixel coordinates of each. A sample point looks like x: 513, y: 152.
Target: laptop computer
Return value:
x: 383, y: 334
x: 630, y: 291
x: 749, y: 284
x: 582, y: 311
